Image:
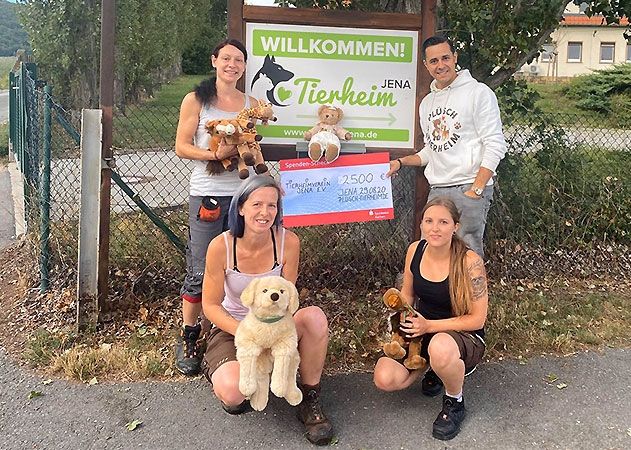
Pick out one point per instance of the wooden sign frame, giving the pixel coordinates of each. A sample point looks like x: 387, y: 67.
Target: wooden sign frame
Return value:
x: 240, y: 14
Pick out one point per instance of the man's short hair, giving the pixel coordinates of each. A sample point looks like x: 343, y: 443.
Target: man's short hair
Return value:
x: 435, y: 40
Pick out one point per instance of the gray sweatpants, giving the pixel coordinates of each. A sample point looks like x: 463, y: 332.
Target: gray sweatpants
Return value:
x: 473, y: 212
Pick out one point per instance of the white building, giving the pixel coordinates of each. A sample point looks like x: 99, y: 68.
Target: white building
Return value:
x: 580, y: 45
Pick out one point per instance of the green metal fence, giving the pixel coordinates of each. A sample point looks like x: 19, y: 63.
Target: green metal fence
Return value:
x: 561, y: 203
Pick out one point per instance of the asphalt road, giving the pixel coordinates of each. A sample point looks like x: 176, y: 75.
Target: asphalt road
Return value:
x: 510, y: 406
x: 4, y: 106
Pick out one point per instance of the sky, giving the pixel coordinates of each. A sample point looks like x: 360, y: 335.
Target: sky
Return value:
x: 260, y: 2
x: 249, y: 2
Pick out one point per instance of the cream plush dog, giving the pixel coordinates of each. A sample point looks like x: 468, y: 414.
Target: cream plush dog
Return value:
x: 267, y: 342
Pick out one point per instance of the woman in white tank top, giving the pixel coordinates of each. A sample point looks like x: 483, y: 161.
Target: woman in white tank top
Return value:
x: 215, y: 98
x: 256, y: 245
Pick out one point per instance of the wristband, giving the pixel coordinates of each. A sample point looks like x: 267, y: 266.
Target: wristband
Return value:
x: 400, y: 163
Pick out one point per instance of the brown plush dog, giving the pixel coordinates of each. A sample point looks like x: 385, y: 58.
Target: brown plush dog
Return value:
x: 396, y: 348
x: 233, y: 132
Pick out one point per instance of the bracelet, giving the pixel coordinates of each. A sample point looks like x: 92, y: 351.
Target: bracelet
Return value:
x: 400, y: 163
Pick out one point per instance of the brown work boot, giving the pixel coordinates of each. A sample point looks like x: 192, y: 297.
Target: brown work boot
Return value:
x: 319, y: 430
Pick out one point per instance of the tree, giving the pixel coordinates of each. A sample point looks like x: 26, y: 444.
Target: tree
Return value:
x: 196, y: 57
x: 150, y: 37
x: 519, y: 27
x: 12, y: 35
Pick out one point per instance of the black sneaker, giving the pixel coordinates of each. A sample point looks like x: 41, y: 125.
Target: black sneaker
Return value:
x: 447, y: 424
x: 431, y: 385
x: 188, y: 356
x: 235, y: 410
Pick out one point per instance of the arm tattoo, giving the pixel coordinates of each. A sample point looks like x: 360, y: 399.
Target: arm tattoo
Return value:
x: 479, y: 287
x: 476, y: 265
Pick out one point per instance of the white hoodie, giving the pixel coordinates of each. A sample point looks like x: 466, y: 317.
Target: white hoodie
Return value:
x: 462, y: 131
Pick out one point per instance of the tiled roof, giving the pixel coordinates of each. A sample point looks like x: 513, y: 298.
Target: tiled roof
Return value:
x: 582, y: 19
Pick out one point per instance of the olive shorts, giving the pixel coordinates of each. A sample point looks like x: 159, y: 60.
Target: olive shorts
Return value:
x: 220, y: 349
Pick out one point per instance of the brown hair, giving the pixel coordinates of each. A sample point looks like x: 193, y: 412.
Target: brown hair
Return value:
x: 460, y: 289
x: 206, y: 91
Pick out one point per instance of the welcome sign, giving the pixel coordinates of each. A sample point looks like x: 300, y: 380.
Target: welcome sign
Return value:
x: 369, y: 73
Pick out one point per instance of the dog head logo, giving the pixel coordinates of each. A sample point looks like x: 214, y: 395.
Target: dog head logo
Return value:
x: 267, y: 79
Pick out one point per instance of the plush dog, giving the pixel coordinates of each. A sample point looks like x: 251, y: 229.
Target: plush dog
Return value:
x: 230, y: 132
x: 396, y: 348
x: 242, y: 133
x: 324, y: 138
x: 267, y: 342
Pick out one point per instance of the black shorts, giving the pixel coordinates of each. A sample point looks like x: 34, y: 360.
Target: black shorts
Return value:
x: 471, y: 348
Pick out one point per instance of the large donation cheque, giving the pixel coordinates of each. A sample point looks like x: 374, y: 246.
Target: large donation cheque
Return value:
x: 354, y: 188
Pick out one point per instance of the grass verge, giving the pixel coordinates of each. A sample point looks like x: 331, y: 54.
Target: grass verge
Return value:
x: 4, y: 141
x: 143, y: 354
x: 172, y: 93
x: 527, y: 318
x: 6, y: 64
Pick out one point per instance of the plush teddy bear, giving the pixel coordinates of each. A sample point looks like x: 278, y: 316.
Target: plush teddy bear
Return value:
x: 396, y: 348
x: 267, y: 342
x: 233, y: 132
x: 324, y: 138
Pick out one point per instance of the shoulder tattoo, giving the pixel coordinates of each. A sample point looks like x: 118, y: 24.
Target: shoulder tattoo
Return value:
x: 479, y: 287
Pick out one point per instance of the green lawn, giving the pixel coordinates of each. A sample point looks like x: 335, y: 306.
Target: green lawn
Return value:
x: 6, y: 64
x: 171, y: 94
x: 553, y: 101
x: 151, y: 125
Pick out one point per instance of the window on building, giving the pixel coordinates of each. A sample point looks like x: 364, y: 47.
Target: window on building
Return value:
x: 547, y: 54
x: 607, y: 50
x: 629, y: 53
x: 574, y: 51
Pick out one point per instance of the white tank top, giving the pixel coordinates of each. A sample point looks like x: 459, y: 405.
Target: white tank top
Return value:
x: 202, y: 183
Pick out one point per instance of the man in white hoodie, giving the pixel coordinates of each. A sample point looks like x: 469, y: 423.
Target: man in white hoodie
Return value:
x: 464, y: 143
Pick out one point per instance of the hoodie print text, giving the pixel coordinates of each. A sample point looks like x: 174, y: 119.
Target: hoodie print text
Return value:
x: 443, y: 129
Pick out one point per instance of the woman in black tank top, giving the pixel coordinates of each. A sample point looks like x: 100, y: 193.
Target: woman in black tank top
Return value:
x: 449, y: 281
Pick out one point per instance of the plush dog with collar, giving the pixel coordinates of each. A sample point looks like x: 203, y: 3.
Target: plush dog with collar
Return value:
x: 267, y: 342
x: 401, y: 346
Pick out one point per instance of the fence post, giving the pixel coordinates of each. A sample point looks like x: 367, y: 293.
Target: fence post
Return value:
x: 106, y: 87
x: 45, y: 196
x: 89, y: 217
x: 12, y: 110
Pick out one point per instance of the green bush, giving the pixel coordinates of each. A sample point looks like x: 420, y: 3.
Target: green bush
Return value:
x: 562, y: 196
x: 4, y: 139
x: 604, y: 91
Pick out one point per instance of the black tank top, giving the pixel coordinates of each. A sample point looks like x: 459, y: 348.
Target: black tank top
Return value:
x: 434, y: 301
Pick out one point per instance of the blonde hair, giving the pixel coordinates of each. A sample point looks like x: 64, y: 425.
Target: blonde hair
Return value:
x: 460, y: 289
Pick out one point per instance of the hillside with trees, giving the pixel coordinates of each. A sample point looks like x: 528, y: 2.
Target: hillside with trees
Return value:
x: 12, y: 35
